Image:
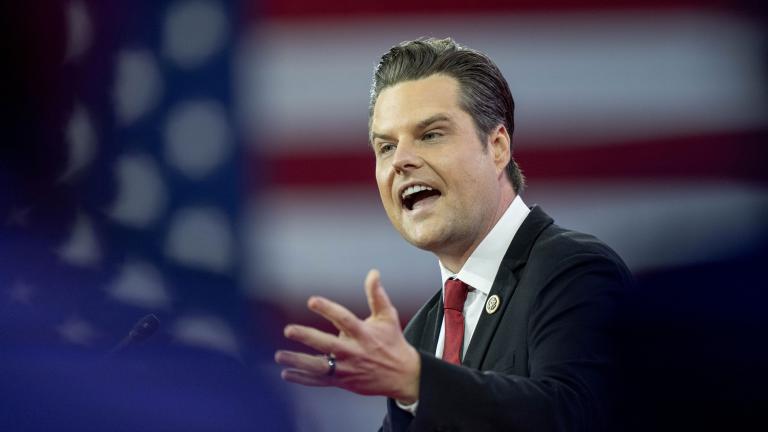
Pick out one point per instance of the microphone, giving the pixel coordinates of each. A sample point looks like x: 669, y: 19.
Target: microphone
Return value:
x: 143, y: 329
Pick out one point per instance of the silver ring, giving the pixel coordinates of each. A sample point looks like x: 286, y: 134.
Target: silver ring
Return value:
x: 331, y: 364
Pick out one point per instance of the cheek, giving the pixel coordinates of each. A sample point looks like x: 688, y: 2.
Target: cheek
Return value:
x: 381, y: 183
x: 385, y: 194
x: 472, y: 188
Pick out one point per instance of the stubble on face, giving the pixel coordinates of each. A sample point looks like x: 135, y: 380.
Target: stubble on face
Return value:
x: 423, y: 138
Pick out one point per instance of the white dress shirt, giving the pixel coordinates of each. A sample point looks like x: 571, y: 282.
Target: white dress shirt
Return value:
x: 479, y: 272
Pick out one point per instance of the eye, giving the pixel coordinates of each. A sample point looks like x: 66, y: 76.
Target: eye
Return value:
x: 430, y: 136
x: 386, y: 148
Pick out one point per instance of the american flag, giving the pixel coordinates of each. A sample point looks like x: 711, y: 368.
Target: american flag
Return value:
x: 121, y: 192
x: 207, y: 161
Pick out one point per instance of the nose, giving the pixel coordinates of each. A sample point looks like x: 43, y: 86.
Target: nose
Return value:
x: 406, y: 157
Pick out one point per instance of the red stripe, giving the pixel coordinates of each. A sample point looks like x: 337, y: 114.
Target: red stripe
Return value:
x: 307, y: 9
x: 739, y: 156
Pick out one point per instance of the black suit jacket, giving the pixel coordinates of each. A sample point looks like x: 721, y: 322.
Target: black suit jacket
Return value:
x: 545, y: 360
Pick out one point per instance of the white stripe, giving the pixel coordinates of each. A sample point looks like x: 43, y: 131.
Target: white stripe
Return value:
x: 324, y: 243
x: 576, y: 78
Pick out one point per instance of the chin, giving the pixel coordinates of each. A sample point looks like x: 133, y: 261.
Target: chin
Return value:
x: 428, y: 241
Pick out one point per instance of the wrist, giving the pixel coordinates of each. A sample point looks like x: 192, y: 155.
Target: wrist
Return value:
x: 409, y: 390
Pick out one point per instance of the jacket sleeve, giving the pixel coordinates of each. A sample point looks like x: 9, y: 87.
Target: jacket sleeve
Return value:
x: 571, y: 363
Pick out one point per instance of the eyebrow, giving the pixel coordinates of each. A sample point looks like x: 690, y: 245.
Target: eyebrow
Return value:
x: 420, y: 125
x: 375, y: 135
x: 434, y: 119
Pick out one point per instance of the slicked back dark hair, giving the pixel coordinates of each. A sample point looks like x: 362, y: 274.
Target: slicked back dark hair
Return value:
x: 484, y: 93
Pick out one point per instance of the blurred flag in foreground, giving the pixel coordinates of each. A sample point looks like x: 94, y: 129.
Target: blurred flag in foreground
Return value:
x: 120, y: 189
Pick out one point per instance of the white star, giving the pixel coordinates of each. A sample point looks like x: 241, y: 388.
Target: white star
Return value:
x: 81, y: 138
x: 82, y: 248
x: 141, y: 193
x: 206, y: 331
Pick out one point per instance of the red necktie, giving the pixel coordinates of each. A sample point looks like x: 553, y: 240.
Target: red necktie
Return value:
x: 454, y: 297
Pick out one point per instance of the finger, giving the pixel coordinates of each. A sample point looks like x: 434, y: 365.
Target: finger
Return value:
x: 314, y: 338
x: 314, y: 364
x: 378, y: 300
x: 299, y: 377
x: 341, y: 317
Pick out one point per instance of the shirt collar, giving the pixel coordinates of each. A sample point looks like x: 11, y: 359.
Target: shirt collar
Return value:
x: 481, y: 267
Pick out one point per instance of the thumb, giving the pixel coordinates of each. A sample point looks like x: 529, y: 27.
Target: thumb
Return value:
x: 378, y: 300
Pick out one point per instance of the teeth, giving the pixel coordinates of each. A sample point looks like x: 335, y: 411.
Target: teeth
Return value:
x: 413, y: 189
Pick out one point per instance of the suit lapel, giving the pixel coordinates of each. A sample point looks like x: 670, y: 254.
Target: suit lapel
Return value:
x: 423, y: 330
x: 432, y: 328
x: 505, y: 284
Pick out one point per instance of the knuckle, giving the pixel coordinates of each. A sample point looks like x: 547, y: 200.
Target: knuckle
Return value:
x: 347, y: 321
x: 338, y: 349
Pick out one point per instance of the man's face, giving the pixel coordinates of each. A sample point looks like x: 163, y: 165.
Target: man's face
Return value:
x: 440, y: 187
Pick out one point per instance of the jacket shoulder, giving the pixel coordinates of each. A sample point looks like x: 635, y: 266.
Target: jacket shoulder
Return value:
x: 556, y: 244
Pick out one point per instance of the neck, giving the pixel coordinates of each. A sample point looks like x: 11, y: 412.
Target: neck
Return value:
x: 455, y: 260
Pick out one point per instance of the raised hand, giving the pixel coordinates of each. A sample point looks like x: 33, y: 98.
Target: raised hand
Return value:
x: 369, y: 357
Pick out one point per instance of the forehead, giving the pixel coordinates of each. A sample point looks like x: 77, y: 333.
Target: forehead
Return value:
x: 409, y: 102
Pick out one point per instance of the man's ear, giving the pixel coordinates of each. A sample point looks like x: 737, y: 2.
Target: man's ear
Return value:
x: 499, y: 143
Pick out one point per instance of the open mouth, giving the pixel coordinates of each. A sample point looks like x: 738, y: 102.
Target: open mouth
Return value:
x: 413, y: 195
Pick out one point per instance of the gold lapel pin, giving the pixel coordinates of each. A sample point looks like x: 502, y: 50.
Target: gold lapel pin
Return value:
x: 492, y: 305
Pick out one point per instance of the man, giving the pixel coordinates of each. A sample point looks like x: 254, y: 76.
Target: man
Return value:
x: 519, y: 338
